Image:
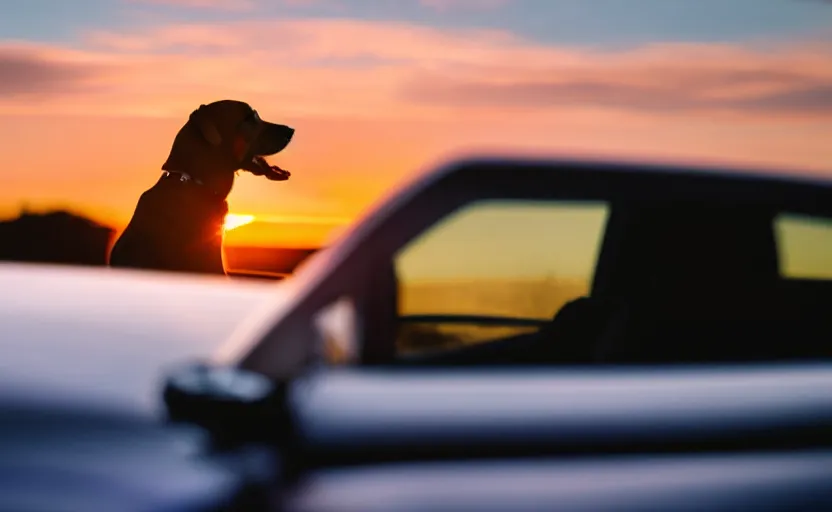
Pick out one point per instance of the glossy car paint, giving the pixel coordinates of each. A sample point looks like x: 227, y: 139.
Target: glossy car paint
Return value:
x: 367, y: 412
x: 108, y: 335
x: 65, y: 454
x: 84, y: 356
x: 690, y: 482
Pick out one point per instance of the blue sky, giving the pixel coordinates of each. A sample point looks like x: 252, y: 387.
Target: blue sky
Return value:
x: 569, y: 22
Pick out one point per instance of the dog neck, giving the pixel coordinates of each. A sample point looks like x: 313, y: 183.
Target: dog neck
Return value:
x: 217, y: 188
x: 183, y: 177
x: 218, y: 183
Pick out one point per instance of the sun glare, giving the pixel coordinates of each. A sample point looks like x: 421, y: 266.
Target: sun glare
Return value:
x: 233, y: 220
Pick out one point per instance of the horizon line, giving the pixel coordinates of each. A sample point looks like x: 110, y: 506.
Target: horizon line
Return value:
x: 324, y: 220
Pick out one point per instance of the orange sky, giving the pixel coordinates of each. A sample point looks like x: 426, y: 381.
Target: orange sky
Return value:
x: 373, y: 101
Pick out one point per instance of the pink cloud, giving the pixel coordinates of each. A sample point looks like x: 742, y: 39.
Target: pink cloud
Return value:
x: 377, y: 70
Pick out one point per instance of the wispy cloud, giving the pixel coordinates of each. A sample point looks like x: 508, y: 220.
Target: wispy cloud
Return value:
x: 373, y: 69
x: 242, y: 5
x: 448, y: 5
x: 30, y: 72
x: 224, y: 5
x: 708, y: 79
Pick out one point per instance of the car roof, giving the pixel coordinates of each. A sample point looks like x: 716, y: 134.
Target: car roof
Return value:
x: 108, y: 334
x: 628, y: 165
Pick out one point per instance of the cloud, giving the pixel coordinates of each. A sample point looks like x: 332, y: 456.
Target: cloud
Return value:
x: 448, y: 5
x: 244, y: 5
x: 664, y: 78
x: 30, y: 72
x: 340, y: 67
x: 766, y: 91
x: 223, y: 5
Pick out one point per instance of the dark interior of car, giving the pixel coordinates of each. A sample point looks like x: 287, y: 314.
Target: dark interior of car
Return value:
x: 674, y: 284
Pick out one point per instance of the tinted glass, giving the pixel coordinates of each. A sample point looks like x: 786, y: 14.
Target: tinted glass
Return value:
x: 509, y: 259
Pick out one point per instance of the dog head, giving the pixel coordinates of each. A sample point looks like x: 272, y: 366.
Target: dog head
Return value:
x: 228, y: 136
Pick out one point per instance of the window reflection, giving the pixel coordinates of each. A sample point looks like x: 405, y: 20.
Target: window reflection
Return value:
x: 509, y: 259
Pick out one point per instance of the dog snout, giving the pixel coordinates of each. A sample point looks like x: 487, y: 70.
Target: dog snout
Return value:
x: 273, y: 139
x: 287, y: 132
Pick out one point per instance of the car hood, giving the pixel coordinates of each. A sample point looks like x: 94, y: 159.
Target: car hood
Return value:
x: 107, y: 335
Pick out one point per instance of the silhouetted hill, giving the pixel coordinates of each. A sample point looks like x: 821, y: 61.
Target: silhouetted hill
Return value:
x: 55, y: 237
x: 63, y: 237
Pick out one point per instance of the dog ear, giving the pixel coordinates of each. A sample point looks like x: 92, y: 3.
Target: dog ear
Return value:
x: 206, y: 128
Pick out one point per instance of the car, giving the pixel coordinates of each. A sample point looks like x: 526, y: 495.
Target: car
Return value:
x: 498, y: 334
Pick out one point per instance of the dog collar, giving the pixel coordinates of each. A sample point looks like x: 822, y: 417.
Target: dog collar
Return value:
x: 183, y: 176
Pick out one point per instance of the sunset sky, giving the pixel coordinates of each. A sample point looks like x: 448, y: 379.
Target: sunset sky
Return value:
x: 93, y: 91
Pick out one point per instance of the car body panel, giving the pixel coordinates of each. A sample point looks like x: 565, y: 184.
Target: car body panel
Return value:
x: 698, y: 438
x: 367, y: 413
x: 66, y: 454
x: 106, y: 335
x: 696, y: 482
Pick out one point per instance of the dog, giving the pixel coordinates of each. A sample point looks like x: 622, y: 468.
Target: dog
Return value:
x: 177, y: 224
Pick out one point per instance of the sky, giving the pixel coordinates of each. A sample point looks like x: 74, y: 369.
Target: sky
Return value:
x: 92, y: 92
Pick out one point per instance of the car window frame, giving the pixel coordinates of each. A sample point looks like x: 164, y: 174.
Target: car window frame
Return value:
x: 278, y: 345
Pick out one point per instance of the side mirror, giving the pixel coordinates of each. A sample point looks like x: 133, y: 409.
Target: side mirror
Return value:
x: 234, y: 405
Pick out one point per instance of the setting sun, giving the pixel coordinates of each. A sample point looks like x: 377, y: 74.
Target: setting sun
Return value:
x: 233, y: 220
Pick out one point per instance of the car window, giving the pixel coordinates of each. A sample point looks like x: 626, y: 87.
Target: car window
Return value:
x: 515, y: 262
x: 804, y: 246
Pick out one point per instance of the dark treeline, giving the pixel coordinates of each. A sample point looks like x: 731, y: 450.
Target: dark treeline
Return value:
x: 66, y: 238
